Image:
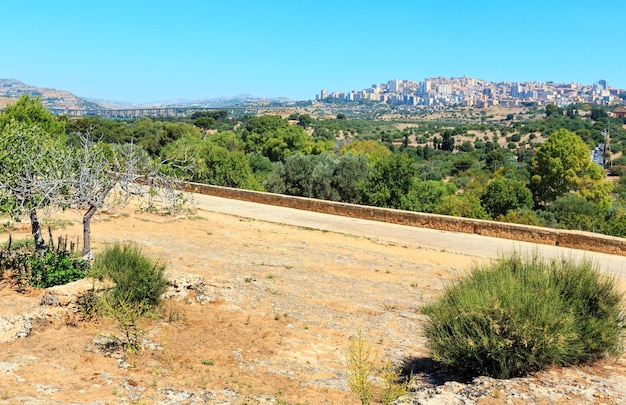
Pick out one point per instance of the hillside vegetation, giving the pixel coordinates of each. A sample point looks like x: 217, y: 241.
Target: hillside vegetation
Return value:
x: 533, y: 166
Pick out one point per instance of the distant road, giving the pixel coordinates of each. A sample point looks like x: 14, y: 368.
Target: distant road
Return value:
x: 468, y: 244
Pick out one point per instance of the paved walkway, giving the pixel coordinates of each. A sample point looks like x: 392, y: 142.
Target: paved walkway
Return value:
x: 470, y: 244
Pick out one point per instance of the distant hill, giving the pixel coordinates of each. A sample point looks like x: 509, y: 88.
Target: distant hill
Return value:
x: 12, y: 89
x: 216, y: 102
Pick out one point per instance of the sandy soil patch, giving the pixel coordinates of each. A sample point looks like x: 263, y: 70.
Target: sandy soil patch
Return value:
x: 283, y: 304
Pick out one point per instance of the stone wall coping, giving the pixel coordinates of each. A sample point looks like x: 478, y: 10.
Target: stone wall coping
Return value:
x: 526, y: 233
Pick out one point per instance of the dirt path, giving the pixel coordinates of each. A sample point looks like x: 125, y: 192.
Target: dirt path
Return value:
x: 452, y: 242
x: 282, y: 304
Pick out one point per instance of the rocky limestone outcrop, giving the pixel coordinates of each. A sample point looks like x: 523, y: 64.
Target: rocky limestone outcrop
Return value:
x: 181, y: 286
x: 69, y: 295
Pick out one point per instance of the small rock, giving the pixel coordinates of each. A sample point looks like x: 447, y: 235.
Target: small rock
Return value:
x: 8, y: 368
x: 173, y: 396
x: 179, y: 285
x: 108, y: 378
x: 14, y: 327
x: 134, y: 389
x: 46, y: 389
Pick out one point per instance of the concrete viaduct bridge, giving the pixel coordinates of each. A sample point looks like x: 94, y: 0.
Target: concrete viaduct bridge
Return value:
x: 149, y: 112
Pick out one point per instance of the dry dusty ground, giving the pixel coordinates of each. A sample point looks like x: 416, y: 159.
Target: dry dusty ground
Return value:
x: 282, y: 305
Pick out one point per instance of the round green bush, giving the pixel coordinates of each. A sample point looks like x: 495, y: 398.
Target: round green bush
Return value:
x: 520, y: 315
x: 138, y: 279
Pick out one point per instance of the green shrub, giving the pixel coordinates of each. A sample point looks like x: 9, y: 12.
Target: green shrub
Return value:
x: 138, y: 279
x: 126, y: 314
x: 361, y: 369
x: 19, y: 244
x: 521, y: 315
x: 57, y: 266
x: 54, y: 268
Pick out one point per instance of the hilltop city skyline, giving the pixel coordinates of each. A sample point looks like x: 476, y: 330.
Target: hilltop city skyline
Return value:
x: 476, y: 92
x: 435, y: 92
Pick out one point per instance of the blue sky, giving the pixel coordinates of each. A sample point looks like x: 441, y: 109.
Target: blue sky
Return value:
x: 143, y: 51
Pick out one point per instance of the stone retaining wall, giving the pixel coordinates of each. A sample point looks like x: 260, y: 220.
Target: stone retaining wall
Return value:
x: 572, y: 239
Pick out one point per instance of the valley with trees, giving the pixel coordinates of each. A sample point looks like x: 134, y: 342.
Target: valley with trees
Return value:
x: 444, y: 167
x: 312, y: 203
x: 534, y: 166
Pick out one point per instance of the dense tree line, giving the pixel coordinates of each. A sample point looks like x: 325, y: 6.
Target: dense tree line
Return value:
x: 535, y: 172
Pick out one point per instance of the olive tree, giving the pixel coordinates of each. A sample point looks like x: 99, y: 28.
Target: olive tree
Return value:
x: 32, y: 150
x: 104, y: 175
x: 32, y: 173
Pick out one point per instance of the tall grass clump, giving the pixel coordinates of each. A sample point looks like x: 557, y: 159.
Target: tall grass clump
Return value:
x: 520, y: 315
x: 139, y: 280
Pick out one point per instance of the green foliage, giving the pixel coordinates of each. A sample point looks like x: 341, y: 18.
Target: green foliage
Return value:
x: 615, y: 221
x: 392, y: 386
x: 447, y: 142
x: 466, y: 205
x: 361, y: 364
x: 574, y: 212
x: 58, y: 265
x: 139, y: 280
x: 19, y: 244
x: 521, y: 315
x: 275, y: 138
x: 217, y: 115
x: 292, y: 176
x: 562, y: 164
x: 361, y: 369
x: 243, y: 152
x: 126, y: 313
x: 466, y: 147
x: 521, y: 216
x: 373, y: 150
x: 553, y: 109
x: 259, y: 164
x: 30, y: 111
x: 31, y: 166
x: 598, y: 112
x: 503, y: 194
x: 497, y: 158
x: 90, y: 304
x: 101, y: 129
x: 139, y: 284
x: 263, y: 123
x: 218, y: 160
x: 204, y: 122
x: 426, y: 195
x: 390, y: 181
x: 337, y: 178
x: 227, y: 140
x: 319, y: 176
x: 225, y: 168
x: 54, y: 268
x: 153, y: 136
x: 305, y: 120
